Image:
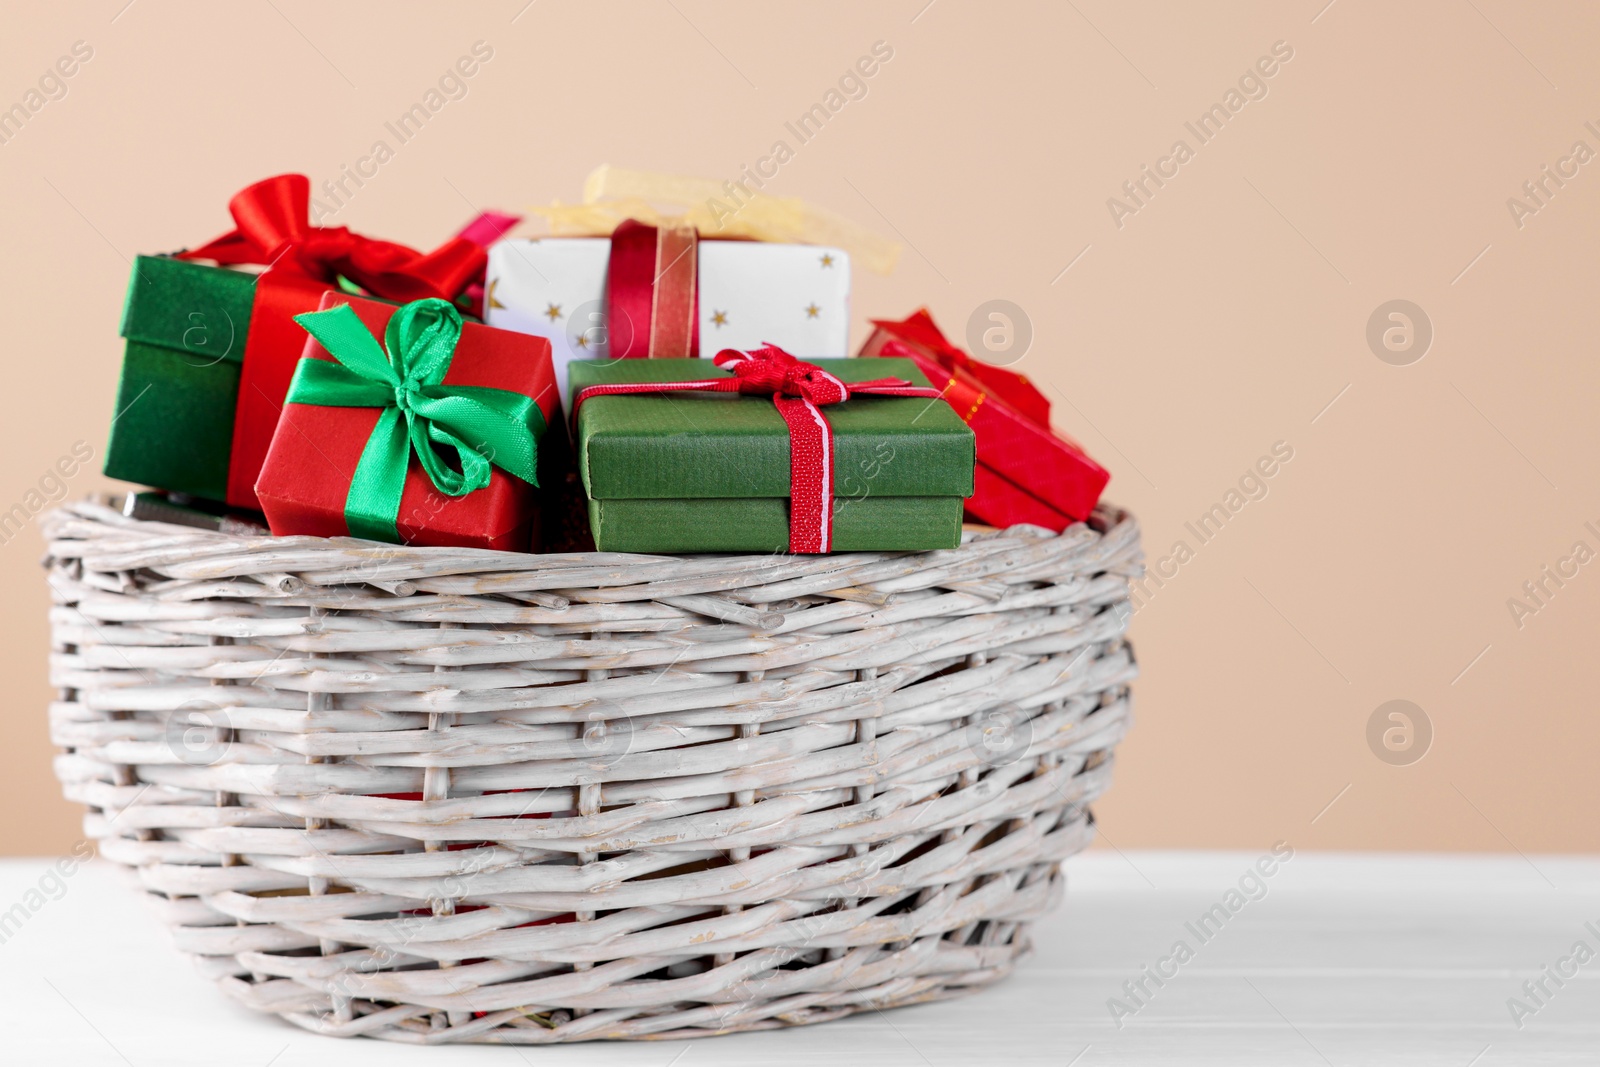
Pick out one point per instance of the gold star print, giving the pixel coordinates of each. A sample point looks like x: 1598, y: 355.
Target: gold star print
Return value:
x: 812, y: 311
x: 719, y: 318
x: 827, y: 260
x: 494, y: 303
x: 582, y: 340
x: 552, y: 312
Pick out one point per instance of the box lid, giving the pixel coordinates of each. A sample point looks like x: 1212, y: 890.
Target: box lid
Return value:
x: 201, y: 310
x: 698, y: 445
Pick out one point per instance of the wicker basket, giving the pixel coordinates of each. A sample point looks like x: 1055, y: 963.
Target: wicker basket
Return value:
x: 449, y: 795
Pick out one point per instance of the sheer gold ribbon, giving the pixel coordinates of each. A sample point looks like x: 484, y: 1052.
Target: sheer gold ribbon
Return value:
x: 612, y: 194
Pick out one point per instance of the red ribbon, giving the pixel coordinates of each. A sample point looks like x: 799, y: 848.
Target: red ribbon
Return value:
x: 483, y: 231
x: 1015, y: 389
x: 799, y: 391
x: 651, y: 296
x: 272, y: 228
x: 959, y: 392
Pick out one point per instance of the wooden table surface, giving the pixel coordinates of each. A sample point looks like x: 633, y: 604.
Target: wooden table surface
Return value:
x: 1330, y: 960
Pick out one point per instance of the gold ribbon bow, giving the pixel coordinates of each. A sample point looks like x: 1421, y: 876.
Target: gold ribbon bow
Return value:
x: 715, y: 209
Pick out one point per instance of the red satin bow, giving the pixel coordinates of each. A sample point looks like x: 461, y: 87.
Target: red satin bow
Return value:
x: 799, y: 390
x: 272, y: 227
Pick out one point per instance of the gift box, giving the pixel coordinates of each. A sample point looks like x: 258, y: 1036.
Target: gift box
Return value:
x: 429, y: 437
x: 184, y: 326
x: 212, y: 345
x: 712, y: 464
x: 1027, y: 473
x: 693, y: 297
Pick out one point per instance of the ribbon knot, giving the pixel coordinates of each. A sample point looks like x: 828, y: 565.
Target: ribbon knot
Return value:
x: 770, y: 371
x: 402, y: 397
x: 457, y: 432
x: 799, y: 391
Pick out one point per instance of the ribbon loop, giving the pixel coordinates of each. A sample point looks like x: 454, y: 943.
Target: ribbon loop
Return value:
x: 342, y: 333
x: 475, y: 426
x: 272, y: 227
x: 273, y: 213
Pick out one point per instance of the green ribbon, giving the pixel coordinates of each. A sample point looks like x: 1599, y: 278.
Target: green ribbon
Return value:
x: 421, y: 416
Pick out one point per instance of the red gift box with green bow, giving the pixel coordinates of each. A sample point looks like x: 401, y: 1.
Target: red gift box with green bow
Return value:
x: 408, y: 425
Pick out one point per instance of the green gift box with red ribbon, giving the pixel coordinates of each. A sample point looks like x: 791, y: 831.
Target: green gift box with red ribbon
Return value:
x: 761, y: 452
x: 212, y: 342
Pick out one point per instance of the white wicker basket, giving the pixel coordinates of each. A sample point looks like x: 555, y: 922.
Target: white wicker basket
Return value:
x: 449, y: 795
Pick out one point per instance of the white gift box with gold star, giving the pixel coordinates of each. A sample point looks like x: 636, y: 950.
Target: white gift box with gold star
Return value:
x: 794, y: 296
x: 750, y: 293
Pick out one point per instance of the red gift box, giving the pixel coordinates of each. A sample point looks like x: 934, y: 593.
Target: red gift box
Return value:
x: 918, y: 333
x: 1025, y: 472
x: 998, y: 502
x: 315, y: 450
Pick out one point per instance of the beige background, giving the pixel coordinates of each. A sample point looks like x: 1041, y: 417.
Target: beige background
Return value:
x: 1228, y: 313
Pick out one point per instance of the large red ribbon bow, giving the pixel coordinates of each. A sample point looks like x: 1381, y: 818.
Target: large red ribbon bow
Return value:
x: 799, y: 391
x: 272, y: 228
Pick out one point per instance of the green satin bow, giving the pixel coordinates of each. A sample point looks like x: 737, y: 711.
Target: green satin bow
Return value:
x: 482, y: 426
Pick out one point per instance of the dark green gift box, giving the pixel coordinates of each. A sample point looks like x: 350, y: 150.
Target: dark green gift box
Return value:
x: 709, y: 472
x: 185, y: 326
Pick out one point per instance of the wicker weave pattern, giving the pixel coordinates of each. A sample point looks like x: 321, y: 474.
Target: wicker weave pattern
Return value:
x: 438, y: 795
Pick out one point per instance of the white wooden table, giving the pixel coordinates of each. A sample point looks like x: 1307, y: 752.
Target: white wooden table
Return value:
x: 1345, y: 959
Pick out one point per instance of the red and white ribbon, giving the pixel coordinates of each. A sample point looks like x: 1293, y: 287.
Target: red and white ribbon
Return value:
x: 799, y: 391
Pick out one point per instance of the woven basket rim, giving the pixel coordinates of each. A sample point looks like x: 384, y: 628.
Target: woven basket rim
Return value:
x: 432, y: 561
